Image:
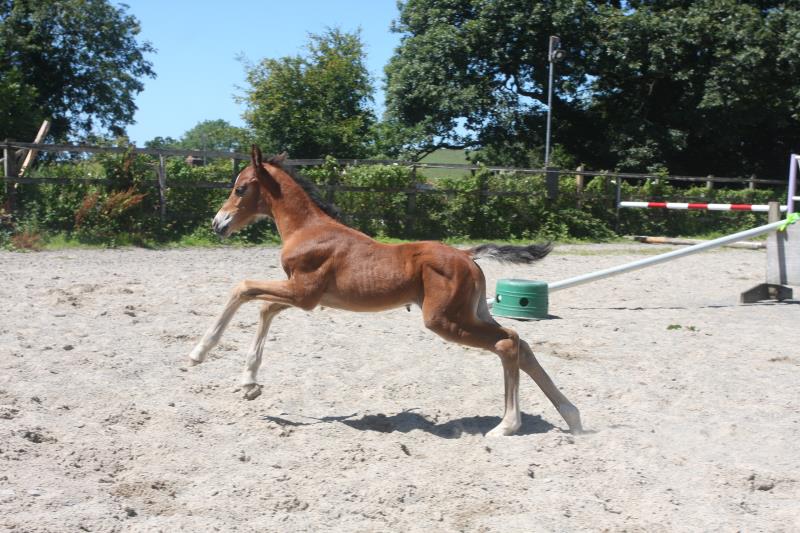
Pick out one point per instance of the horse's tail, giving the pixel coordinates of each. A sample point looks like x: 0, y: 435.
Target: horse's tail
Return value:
x: 509, y: 253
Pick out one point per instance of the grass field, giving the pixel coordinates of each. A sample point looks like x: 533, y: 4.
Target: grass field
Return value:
x: 444, y: 156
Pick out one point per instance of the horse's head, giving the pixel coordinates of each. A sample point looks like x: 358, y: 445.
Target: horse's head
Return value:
x: 251, y: 197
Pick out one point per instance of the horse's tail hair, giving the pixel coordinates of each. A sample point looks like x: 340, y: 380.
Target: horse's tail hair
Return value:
x: 508, y: 253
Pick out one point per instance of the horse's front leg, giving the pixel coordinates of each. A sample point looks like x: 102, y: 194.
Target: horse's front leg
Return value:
x: 252, y: 389
x: 279, y: 292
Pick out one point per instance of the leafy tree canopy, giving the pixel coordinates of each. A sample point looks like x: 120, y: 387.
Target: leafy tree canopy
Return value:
x: 78, y: 61
x: 216, y: 135
x: 19, y: 114
x: 696, y: 86
x: 316, y: 104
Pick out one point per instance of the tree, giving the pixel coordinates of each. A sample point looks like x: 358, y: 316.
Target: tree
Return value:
x: 81, y: 57
x: 313, y: 105
x: 472, y: 74
x: 160, y: 142
x: 697, y: 87
x: 19, y: 114
x: 216, y: 135
x: 701, y: 87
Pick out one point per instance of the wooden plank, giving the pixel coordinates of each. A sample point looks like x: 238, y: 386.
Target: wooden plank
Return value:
x: 748, y: 245
x: 199, y: 185
x: 79, y: 148
x: 45, y: 127
x: 86, y: 181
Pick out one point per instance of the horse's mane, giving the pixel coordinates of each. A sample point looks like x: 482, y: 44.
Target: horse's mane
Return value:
x: 311, y: 190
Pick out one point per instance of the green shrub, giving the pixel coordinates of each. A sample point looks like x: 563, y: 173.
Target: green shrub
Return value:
x: 469, y: 205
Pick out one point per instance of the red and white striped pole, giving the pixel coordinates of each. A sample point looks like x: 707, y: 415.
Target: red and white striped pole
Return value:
x: 700, y: 206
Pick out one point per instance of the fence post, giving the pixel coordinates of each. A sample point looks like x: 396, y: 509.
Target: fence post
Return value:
x: 580, y: 184
x: 710, y: 182
x: 333, y: 183
x: 162, y: 185
x: 606, y: 189
x: 483, y: 186
x: 411, y: 203
x: 752, y: 184
x: 10, y: 171
x: 551, y: 183
x: 235, y: 167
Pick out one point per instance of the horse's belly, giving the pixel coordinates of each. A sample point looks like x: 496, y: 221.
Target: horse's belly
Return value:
x: 369, y: 297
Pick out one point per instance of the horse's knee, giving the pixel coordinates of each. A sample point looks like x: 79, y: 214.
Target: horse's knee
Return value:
x: 434, y: 323
x: 509, y: 346
x: 440, y: 325
x: 240, y: 292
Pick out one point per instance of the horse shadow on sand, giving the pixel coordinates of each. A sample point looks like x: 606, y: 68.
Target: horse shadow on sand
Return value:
x: 408, y: 420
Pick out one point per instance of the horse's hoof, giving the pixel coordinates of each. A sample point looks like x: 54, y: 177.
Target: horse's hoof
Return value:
x: 192, y: 362
x: 502, y: 431
x: 251, y: 391
x: 572, y: 417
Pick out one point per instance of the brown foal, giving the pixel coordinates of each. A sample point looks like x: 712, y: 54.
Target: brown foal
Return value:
x: 329, y: 264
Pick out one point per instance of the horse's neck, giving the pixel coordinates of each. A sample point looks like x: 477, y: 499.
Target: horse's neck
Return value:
x: 294, y: 209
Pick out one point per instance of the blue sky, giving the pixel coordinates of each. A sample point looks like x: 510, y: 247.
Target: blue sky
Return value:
x: 198, y: 42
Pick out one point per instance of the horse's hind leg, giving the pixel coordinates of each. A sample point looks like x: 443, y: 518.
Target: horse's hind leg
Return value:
x: 508, y: 349
x: 528, y: 363
x: 249, y: 384
x: 489, y: 336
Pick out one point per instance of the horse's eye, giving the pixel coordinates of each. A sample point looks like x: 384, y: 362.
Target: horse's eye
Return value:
x: 239, y: 191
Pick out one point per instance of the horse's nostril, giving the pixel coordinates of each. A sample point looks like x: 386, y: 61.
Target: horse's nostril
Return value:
x: 220, y: 224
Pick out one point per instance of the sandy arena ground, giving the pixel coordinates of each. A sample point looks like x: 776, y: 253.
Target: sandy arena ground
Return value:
x: 368, y: 422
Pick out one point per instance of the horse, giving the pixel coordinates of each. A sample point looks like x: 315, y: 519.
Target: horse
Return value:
x: 329, y: 264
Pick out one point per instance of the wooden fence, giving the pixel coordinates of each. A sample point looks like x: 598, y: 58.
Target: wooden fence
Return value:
x: 13, y: 150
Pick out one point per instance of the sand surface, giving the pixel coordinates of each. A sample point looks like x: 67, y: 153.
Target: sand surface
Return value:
x: 368, y: 422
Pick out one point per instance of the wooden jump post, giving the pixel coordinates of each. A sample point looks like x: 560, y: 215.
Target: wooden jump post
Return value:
x: 783, y: 250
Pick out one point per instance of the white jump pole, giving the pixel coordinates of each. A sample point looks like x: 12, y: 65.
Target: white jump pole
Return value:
x: 794, y: 163
x: 663, y: 258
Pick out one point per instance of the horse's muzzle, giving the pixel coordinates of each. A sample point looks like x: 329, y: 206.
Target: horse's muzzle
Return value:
x: 221, y: 224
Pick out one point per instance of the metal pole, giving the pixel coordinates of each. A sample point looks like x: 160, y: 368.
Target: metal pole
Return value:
x: 549, y: 112
x: 618, y: 201
x: 793, y: 163
x: 642, y: 263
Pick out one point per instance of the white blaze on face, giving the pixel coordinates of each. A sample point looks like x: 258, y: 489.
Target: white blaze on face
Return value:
x: 223, y: 218
x: 221, y: 222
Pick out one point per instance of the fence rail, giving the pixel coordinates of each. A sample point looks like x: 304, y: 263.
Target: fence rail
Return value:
x: 227, y: 185
x: 13, y: 149
x: 239, y: 156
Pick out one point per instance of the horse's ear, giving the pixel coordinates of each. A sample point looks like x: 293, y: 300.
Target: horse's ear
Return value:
x: 263, y: 174
x: 255, y: 156
x: 278, y: 159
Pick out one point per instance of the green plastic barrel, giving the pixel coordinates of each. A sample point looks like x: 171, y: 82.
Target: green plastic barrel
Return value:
x: 520, y: 298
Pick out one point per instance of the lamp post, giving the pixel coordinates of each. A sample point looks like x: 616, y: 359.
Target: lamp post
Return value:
x: 554, y: 55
